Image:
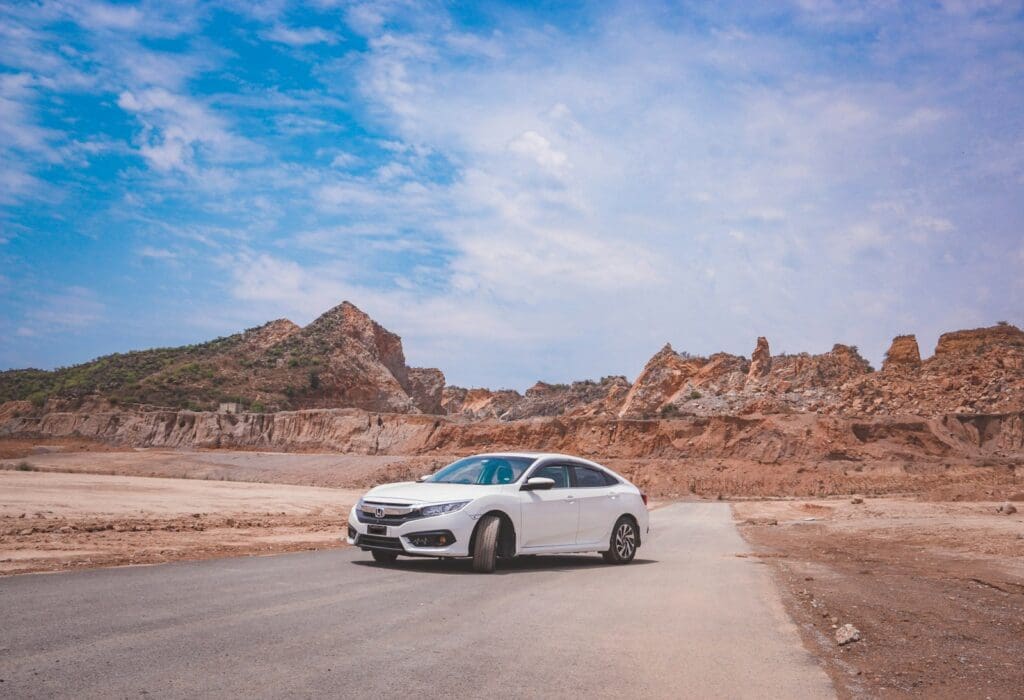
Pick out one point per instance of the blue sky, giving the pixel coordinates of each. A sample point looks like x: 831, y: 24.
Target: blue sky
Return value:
x: 522, y: 191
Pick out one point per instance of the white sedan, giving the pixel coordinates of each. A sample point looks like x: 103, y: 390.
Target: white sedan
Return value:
x: 504, y: 505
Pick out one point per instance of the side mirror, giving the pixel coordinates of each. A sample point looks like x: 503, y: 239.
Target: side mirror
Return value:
x: 423, y: 477
x: 538, y: 483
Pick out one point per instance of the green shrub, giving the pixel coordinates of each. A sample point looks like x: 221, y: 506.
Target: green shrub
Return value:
x: 669, y: 411
x: 694, y: 395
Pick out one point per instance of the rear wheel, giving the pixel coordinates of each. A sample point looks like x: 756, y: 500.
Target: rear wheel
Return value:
x: 383, y: 557
x: 485, y: 548
x: 622, y: 547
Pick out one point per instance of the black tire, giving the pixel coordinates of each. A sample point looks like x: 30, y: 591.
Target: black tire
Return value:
x: 485, y: 548
x: 623, y: 543
x: 383, y: 557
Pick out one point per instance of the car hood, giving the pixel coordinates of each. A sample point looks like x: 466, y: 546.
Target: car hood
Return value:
x: 426, y: 492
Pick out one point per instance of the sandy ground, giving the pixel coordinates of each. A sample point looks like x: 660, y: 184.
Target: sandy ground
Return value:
x: 316, y: 469
x: 935, y: 589
x: 53, y: 521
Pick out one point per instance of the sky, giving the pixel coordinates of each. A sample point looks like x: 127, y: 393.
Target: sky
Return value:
x: 521, y: 191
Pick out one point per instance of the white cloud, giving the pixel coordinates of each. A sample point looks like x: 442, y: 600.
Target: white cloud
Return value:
x: 344, y: 160
x: 299, y: 36
x: 101, y: 15
x: 157, y: 253
x: 538, y: 148
x: 178, y: 130
x: 72, y: 308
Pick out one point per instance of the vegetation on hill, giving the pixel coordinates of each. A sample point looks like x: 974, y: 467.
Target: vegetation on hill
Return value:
x: 178, y: 377
x: 342, y: 359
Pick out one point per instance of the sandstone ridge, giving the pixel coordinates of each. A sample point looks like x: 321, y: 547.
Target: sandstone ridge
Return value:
x: 344, y: 359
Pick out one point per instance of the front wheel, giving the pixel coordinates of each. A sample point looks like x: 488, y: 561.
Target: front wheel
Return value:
x: 485, y: 548
x: 383, y: 557
x: 622, y: 547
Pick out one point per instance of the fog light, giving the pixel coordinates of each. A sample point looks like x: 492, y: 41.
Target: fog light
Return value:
x: 351, y: 532
x: 437, y: 538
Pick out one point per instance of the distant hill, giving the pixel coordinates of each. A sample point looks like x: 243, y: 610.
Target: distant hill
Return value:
x: 343, y: 358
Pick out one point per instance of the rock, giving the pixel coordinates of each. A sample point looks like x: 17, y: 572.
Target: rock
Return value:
x: 271, y: 334
x: 978, y: 340
x: 903, y: 353
x: 1007, y: 509
x: 27, y: 531
x: 426, y: 388
x: 847, y: 634
x: 760, y: 360
x: 662, y: 376
x: 856, y: 500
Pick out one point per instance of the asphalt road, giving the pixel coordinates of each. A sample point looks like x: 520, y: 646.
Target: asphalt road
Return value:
x: 687, y: 619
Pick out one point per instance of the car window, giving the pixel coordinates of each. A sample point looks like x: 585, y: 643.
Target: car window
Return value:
x: 554, y: 471
x: 482, y: 470
x: 588, y: 477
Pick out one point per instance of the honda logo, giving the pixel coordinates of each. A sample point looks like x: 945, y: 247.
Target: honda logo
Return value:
x: 378, y: 512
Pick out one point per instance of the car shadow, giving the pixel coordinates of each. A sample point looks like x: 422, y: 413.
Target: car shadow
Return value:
x: 518, y: 565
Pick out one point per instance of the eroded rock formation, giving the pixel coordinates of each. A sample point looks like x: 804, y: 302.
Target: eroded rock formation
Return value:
x: 761, y: 360
x: 903, y: 354
x: 344, y: 359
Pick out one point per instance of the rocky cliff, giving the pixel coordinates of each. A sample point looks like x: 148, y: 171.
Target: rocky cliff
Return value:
x: 765, y: 439
x: 344, y: 359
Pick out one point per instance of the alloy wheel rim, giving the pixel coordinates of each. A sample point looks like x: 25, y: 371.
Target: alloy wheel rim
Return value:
x: 625, y: 540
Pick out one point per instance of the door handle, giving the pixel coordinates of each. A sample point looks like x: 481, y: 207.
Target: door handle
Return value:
x: 569, y: 498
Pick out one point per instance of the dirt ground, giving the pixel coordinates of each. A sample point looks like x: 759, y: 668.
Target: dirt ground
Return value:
x: 56, y: 521
x: 302, y: 469
x: 935, y: 589
x: 24, y: 447
x: 670, y: 479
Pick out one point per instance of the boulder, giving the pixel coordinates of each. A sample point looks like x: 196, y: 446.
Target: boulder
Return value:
x: 847, y: 634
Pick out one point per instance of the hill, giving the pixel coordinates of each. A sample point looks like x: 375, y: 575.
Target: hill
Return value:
x: 343, y: 358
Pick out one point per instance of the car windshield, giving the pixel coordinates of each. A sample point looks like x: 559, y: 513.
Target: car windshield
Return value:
x: 482, y: 470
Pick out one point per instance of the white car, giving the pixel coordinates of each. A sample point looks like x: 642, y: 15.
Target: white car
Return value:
x: 504, y: 505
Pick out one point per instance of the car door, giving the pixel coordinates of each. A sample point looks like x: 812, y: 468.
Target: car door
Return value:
x: 550, y: 517
x: 598, y: 497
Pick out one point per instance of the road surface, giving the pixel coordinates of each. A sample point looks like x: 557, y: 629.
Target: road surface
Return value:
x: 687, y: 619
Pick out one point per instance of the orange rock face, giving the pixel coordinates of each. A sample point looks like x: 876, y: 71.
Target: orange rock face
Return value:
x: 761, y: 360
x: 979, y: 341
x: 902, y: 354
x: 344, y: 359
x: 661, y: 379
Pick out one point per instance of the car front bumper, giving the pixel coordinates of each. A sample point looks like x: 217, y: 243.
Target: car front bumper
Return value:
x: 399, y: 538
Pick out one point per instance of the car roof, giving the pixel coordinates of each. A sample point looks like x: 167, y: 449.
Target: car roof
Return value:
x: 541, y: 455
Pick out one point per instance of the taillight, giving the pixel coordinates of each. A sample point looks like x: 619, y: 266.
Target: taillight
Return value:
x: 644, y: 496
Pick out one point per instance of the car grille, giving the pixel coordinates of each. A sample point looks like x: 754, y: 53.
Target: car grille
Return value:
x: 364, y: 517
x: 378, y: 542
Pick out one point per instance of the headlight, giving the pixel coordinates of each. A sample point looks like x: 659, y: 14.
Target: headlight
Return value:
x: 442, y: 508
